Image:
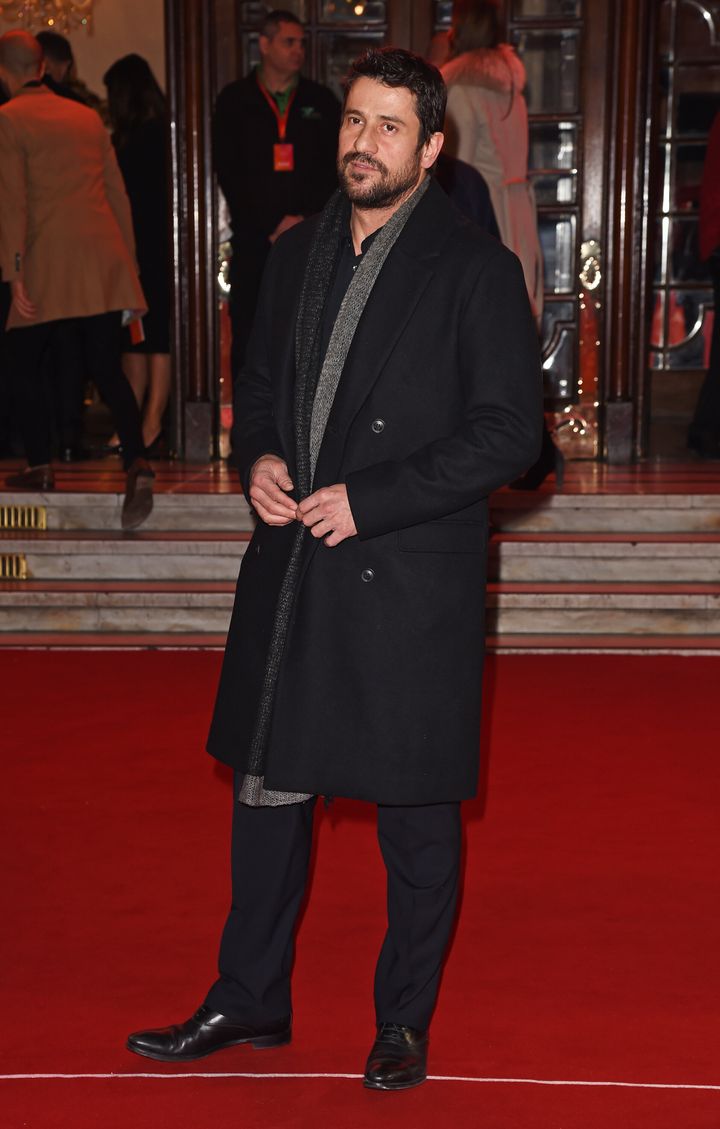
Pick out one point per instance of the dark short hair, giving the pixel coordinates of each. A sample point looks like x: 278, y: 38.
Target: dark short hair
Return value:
x: 55, y: 47
x: 269, y: 25
x: 393, y: 66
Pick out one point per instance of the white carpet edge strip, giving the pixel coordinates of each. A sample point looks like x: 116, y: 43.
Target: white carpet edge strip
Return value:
x: 355, y: 1077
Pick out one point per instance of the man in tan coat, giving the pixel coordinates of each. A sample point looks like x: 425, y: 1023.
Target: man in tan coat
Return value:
x: 67, y: 249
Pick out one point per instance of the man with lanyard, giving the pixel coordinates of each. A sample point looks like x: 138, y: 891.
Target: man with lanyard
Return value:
x: 274, y: 136
x: 393, y: 381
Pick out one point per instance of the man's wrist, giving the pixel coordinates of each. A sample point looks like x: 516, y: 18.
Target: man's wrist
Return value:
x: 267, y: 455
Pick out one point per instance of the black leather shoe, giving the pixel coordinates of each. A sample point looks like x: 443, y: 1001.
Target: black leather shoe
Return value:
x: 207, y: 1031
x: 398, y: 1059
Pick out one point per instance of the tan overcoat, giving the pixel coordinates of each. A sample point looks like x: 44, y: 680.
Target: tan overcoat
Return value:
x: 65, y: 222
x: 487, y: 126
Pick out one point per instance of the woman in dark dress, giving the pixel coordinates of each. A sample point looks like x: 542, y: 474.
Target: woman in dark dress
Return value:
x: 138, y: 114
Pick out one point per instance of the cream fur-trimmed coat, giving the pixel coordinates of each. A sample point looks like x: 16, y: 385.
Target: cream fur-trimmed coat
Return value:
x: 487, y: 126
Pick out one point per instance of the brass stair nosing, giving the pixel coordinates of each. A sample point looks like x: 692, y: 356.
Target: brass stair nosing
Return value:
x: 23, y: 517
x: 13, y: 566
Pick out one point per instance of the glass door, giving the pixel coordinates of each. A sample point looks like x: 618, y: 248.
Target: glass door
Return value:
x: 688, y: 98
x: 563, y: 48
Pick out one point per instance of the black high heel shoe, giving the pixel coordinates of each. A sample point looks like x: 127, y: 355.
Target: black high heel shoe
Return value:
x: 551, y: 459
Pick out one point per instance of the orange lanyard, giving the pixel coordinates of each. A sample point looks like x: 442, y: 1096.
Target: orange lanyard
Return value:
x: 282, y: 119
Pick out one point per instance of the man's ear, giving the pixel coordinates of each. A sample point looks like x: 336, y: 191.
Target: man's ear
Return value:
x: 431, y: 150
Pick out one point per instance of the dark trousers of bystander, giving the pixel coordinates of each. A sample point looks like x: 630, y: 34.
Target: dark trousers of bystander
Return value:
x: 271, y: 846
x: 65, y: 377
x: 99, y: 344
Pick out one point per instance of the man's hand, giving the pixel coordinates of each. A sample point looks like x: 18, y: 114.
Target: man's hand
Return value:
x: 269, y: 483
x: 22, y: 302
x: 327, y: 513
x: 285, y: 224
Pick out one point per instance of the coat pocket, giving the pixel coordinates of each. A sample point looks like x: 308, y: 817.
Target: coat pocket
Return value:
x: 444, y: 537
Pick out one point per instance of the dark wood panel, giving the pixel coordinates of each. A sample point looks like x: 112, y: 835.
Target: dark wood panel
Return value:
x: 190, y: 44
x: 629, y: 64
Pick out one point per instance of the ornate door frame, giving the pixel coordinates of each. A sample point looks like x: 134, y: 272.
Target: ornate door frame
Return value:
x: 190, y: 32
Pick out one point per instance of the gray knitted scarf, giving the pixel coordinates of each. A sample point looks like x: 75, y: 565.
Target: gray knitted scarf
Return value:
x: 315, y: 388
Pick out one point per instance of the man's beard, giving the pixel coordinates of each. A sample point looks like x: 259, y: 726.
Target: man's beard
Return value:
x: 382, y: 191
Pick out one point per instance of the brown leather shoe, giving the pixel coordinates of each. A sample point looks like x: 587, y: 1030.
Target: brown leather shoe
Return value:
x: 138, y: 503
x: 33, y: 478
x: 398, y: 1059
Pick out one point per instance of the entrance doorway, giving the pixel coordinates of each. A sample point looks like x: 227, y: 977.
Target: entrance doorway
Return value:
x: 587, y: 64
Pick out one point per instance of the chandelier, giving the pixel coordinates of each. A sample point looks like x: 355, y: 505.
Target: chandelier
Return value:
x: 56, y: 15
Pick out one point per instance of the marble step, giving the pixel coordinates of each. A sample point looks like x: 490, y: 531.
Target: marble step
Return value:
x: 34, y: 607
x: 70, y: 510
x: 140, y: 556
x: 518, y: 512
x: 596, y: 558
x: 512, y: 511
x: 672, y: 610
x: 604, y: 609
x: 532, y: 558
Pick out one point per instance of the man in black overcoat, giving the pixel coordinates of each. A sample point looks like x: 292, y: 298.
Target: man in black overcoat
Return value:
x: 392, y: 383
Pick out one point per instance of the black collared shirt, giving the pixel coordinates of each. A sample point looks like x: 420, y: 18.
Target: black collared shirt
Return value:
x: 348, y: 262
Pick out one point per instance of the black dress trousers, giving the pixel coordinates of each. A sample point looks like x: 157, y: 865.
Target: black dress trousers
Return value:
x: 270, y: 856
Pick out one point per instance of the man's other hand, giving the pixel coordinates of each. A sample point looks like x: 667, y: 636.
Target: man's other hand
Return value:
x: 269, y: 483
x: 327, y: 514
x: 22, y: 302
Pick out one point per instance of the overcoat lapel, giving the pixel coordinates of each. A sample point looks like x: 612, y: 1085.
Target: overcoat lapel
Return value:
x: 284, y: 390
x: 394, y: 298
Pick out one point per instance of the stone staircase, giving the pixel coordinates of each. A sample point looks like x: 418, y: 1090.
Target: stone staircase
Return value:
x: 568, y: 571
x: 606, y: 571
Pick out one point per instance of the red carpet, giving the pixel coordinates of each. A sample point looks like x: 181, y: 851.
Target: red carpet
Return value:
x: 588, y: 942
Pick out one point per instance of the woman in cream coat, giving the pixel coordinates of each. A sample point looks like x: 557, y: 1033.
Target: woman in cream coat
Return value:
x: 487, y: 126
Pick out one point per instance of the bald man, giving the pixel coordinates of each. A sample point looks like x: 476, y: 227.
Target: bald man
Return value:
x: 68, y: 251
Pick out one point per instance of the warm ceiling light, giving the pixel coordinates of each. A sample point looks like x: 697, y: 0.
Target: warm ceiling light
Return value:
x: 34, y: 15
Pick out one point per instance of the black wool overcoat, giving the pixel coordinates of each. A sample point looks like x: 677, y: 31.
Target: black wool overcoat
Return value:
x: 439, y: 403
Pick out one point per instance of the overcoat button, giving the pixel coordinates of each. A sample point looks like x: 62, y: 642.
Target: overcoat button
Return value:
x: 367, y: 575
x: 257, y: 550
x: 378, y: 425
